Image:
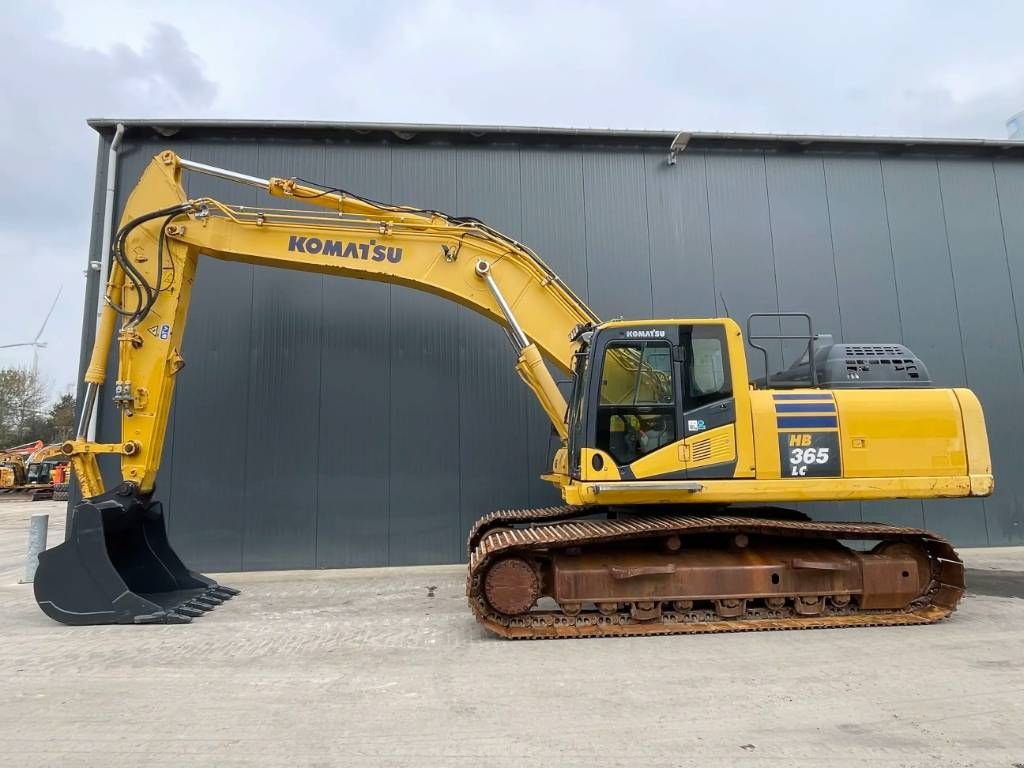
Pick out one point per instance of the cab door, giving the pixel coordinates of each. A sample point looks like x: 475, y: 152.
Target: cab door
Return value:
x: 632, y: 406
x: 709, y: 408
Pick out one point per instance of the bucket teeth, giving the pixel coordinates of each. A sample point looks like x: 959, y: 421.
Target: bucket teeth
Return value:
x: 177, y: 616
x: 200, y: 604
x: 226, y: 592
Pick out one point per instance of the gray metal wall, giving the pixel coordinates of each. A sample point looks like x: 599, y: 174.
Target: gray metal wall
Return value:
x: 329, y: 423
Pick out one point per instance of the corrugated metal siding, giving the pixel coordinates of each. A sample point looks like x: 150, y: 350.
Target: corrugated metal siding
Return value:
x: 207, y: 516
x: 424, y: 426
x: 1007, y: 522
x: 353, y: 437
x: 924, y: 281
x: 991, y: 340
x: 551, y: 180
x: 680, y: 236
x: 331, y: 423
x: 618, y: 245
x: 494, y: 463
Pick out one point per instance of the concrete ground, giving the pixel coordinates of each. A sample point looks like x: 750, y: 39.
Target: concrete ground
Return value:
x: 386, y: 667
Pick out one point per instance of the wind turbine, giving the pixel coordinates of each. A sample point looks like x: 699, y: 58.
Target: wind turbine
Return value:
x: 36, y: 344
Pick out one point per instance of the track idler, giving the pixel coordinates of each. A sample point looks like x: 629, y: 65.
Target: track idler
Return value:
x: 116, y: 566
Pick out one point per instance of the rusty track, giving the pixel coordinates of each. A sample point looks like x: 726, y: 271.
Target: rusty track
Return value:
x: 517, y: 518
x: 936, y: 602
x: 507, y: 518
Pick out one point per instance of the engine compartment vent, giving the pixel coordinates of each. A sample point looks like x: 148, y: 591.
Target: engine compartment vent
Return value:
x: 701, y: 450
x: 857, y: 366
x: 873, y: 350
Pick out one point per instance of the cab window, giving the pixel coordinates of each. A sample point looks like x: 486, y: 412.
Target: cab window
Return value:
x: 707, y: 367
x: 636, y: 405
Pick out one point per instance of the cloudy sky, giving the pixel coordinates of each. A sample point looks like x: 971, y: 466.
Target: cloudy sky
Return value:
x: 885, y: 68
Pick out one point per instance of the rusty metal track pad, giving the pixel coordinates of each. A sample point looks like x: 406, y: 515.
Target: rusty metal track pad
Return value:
x: 515, y: 517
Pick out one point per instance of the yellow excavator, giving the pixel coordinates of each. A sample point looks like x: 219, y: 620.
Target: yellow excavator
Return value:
x: 39, y: 462
x: 12, y: 471
x: 28, y: 469
x: 673, y: 464
x: 40, y: 474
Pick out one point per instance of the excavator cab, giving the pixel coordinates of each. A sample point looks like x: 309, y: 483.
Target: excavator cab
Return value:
x: 643, y: 391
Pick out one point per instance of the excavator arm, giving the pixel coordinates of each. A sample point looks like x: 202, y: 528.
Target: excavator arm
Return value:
x: 154, y: 263
x: 46, y: 452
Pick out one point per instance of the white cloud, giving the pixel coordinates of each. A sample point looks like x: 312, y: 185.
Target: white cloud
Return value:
x: 47, y: 89
x: 898, y: 68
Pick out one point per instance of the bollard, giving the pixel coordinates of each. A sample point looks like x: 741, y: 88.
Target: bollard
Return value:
x: 36, y: 544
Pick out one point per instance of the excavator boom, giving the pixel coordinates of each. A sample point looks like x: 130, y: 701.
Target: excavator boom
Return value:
x: 461, y: 260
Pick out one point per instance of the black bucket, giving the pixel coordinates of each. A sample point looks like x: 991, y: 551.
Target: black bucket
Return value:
x: 116, y: 566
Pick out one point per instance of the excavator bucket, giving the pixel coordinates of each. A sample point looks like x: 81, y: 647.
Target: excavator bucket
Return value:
x: 116, y: 566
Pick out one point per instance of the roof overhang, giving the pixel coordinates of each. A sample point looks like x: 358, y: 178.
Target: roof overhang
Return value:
x: 672, y: 142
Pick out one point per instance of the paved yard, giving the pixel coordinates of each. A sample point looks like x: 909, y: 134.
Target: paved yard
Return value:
x: 386, y: 667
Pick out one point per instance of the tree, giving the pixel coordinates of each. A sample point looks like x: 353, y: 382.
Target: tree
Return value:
x: 62, y: 418
x: 22, y: 396
x: 24, y: 417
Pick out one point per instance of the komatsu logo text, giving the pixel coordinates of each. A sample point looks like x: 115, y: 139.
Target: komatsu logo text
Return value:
x: 365, y: 251
x: 652, y: 333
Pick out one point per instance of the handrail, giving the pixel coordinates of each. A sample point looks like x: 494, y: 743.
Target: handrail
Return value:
x: 752, y: 338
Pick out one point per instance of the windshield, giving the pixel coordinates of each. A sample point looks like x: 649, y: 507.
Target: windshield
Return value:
x: 636, y: 407
x: 577, y: 409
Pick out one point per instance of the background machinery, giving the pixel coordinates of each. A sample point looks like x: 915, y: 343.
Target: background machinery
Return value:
x: 60, y: 477
x: 12, y: 471
x: 35, y: 469
x: 13, y: 466
x: 672, y: 465
x: 45, y: 472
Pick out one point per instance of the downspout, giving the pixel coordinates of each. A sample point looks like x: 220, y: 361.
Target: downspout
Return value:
x: 89, y: 406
